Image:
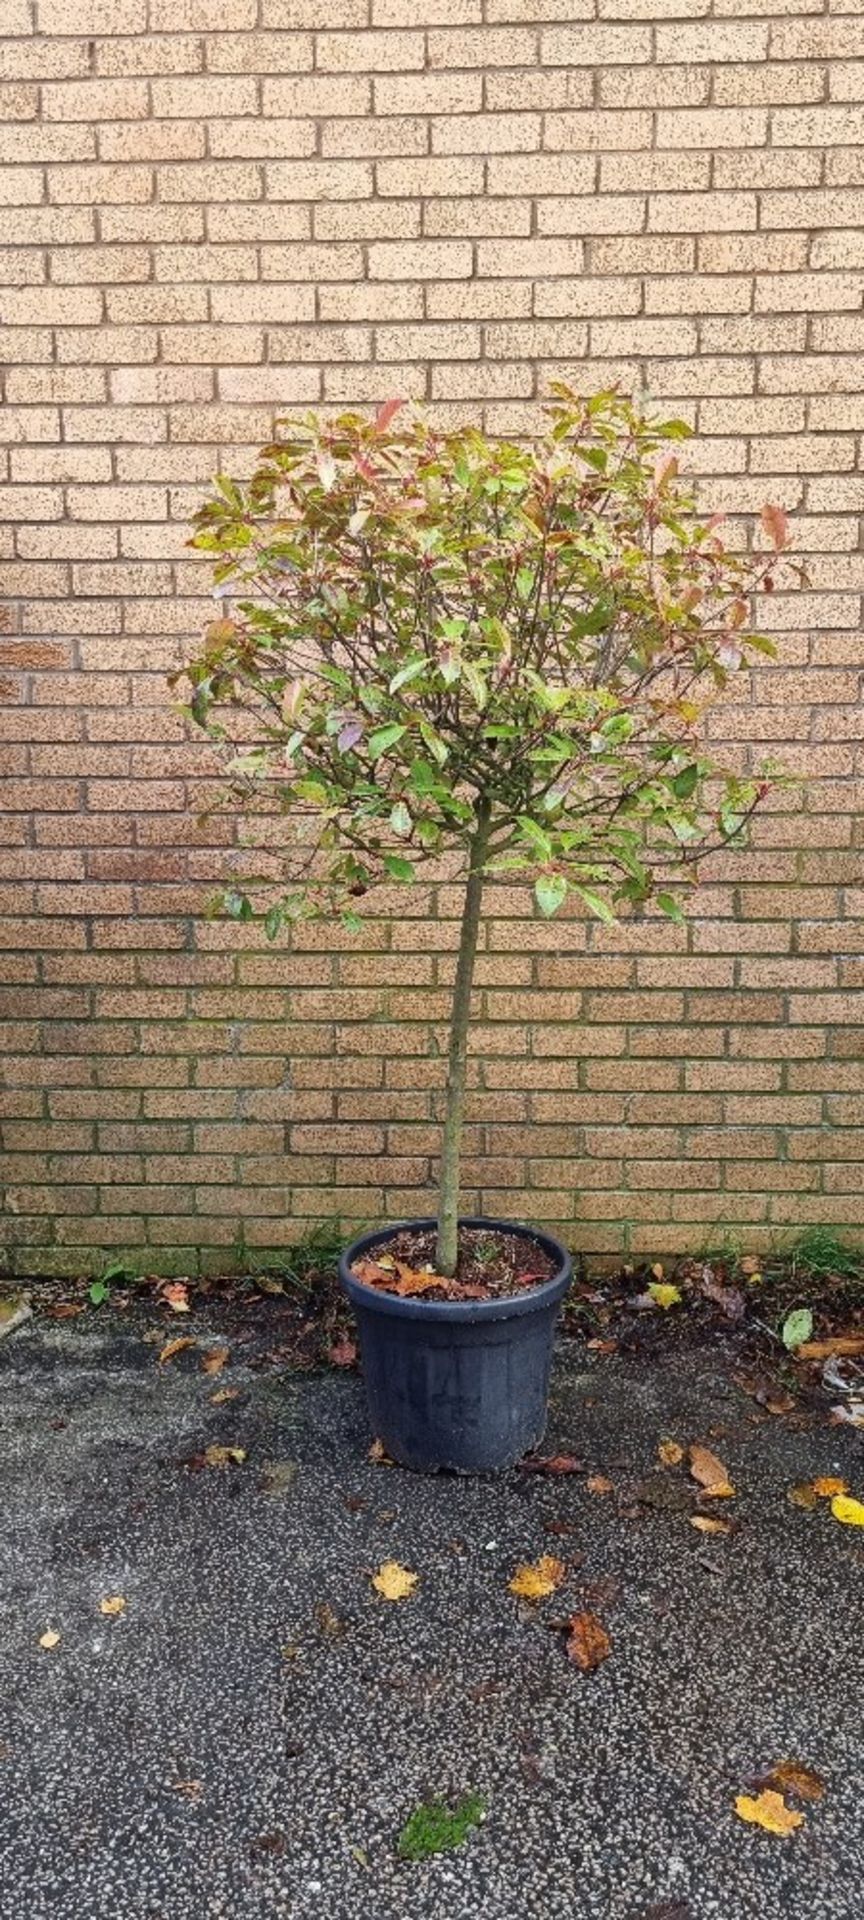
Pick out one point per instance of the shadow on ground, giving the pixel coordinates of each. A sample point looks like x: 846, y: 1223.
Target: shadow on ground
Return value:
x: 245, y: 1741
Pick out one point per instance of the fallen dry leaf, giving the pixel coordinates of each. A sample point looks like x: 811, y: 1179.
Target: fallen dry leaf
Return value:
x: 769, y: 1810
x: 214, y: 1361
x: 842, y: 1345
x: 706, y: 1523
x: 598, y: 1483
x: 222, y: 1456
x: 602, y: 1346
x: 710, y: 1473
x: 804, y: 1496
x: 327, y: 1621
x: 176, y: 1296
x: 664, y: 1293
x: 790, y: 1776
x: 190, y: 1787
x: 114, y: 1604
x: 175, y: 1346
x: 394, y: 1582
x: 849, y: 1512
x: 49, y: 1640
x: 670, y: 1454
x: 224, y: 1393
x: 553, y: 1463
x: 826, y: 1487
x: 534, y: 1580
x: 588, y: 1643
x: 379, y: 1456
x: 343, y: 1353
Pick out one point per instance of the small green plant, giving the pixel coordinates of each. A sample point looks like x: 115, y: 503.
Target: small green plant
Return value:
x: 314, y: 1256
x: 819, y: 1254
x: 434, y: 1827
x: 113, y: 1272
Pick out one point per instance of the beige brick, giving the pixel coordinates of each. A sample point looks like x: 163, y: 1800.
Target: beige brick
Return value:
x: 768, y: 84
x: 203, y: 95
x: 151, y: 140
x: 597, y: 132
x: 714, y: 127
x: 429, y: 93
x: 431, y: 176
x: 603, y: 213
x: 259, y: 53
x: 371, y: 52
x: 481, y: 218
x: 734, y: 40
x: 95, y: 100
x: 147, y: 55
x: 532, y: 258
x: 657, y: 86
x: 486, y: 133
x: 595, y: 46
x: 702, y: 212
x: 359, y: 139
x: 420, y: 260
x: 481, y: 47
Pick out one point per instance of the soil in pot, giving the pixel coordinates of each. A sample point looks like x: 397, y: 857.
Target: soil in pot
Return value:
x: 490, y: 1266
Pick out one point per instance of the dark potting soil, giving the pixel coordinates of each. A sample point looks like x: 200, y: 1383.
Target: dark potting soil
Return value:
x: 490, y: 1266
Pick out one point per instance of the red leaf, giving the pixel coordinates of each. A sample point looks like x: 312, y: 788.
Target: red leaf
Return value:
x: 386, y: 413
x: 776, y: 526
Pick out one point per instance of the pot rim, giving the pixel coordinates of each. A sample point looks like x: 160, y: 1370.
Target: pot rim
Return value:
x: 444, y: 1312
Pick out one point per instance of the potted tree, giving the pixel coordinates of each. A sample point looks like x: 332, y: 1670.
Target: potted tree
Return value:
x: 433, y: 644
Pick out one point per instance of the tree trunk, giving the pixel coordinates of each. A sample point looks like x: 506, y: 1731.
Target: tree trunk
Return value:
x: 448, y: 1192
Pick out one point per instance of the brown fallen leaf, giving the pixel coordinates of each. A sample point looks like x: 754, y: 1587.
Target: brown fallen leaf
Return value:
x: 328, y: 1621
x: 175, y: 1294
x: 214, y: 1361
x: 534, y: 1580
x: 553, y: 1463
x: 826, y: 1487
x: 411, y: 1281
x: 670, y: 1454
x: 379, y: 1456
x: 223, y: 1456
x: 710, y: 1473
x: 224, y: 1393
x: 176, y: 1346
x: 768, y: 1810
x: 114, y: 1605
x: 598, y: 1483
x: 843, y: 1345
x: 789, y: 1776
x: 706, y: 1523
x: 602, y: 1346
x: 588, y: 1643
x: 343, y: 1353
x: 393, y: 1581
x: 803, y: 1496
x: 49, y: 1640
x: 191, y: 1788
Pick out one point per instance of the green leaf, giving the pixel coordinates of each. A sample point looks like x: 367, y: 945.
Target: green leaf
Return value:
x: 671, y: 907
x: 797, y: 1327
x: 411, y: 671
x: 399, y: 868
x: 538, y: 841
x: 385, y: 737
x: 97, y: 1292
x: 400, y: 819
x: 685, y: 783
x: 550, y: 892
x: 596, y: 905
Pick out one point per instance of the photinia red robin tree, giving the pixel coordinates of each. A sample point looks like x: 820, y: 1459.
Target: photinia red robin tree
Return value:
x: 434, y: 642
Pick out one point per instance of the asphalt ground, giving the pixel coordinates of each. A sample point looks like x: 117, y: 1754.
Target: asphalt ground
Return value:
x: 246, y: 1738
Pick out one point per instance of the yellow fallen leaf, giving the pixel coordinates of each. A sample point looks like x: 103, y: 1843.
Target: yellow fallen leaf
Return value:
x: 850, y: 1512
x: 791, y: 1777
x: 220, y: 1456
x: 49, y: 1640
x: 214, y: 1361
x: 768, y: 1810
x: 598, y: 1483
x: 826, y: 1487
x: 670, y: 1454
x: 175, y: 1346
x: 224, y: 1393
x: 394, y: 1582
x: 710, y: 1473
x: 658, y: 1270
x: 534, y: 1580
x: 664, y: 1293
x: 705, y: 1523
x: 114, y: 1604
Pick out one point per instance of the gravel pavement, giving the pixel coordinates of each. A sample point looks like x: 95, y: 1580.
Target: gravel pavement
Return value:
x: 246, y: 1739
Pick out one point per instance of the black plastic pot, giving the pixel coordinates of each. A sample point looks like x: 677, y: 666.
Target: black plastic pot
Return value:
x: 458, y: 1384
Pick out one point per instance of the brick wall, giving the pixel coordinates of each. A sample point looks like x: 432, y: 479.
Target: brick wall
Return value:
x: 339, y: 200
